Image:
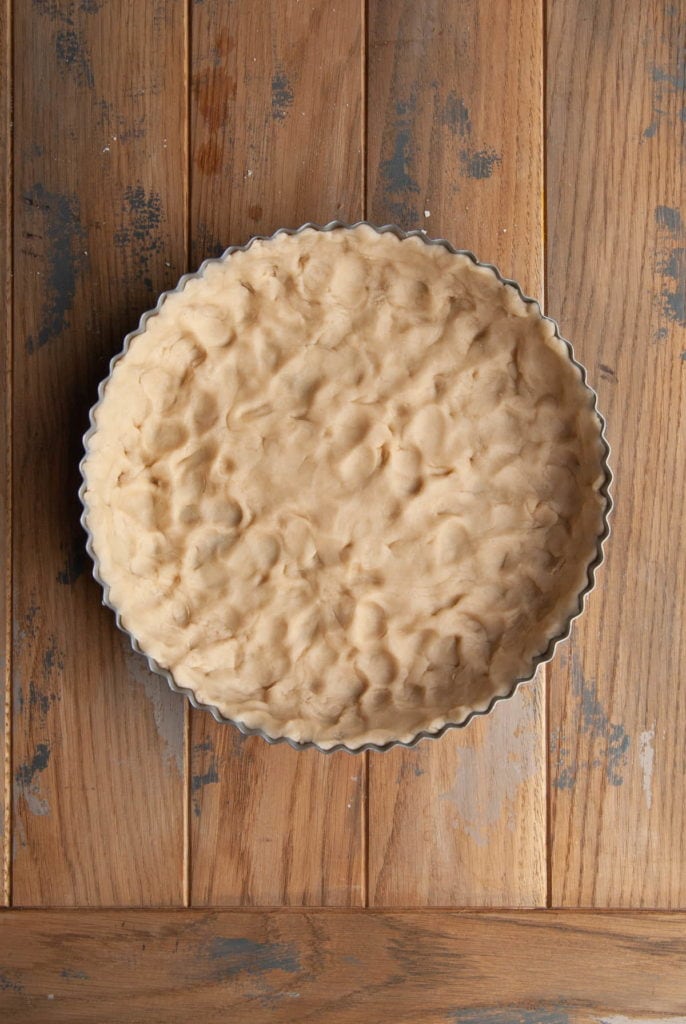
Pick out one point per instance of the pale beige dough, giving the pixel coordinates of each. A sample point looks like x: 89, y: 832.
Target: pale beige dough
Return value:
x: 345, y: 487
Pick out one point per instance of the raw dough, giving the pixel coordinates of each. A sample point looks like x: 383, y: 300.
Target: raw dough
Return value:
x: 345, y: 487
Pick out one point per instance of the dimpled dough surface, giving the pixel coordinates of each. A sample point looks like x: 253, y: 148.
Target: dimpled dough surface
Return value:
x: 345, y: 487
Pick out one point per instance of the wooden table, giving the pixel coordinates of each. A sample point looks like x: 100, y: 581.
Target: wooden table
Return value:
x: 529, y: 870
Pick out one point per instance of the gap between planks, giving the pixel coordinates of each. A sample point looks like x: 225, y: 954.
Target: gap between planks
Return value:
x: 8, y: 243
x: 188, y: 86
x: 544, y: 300
x: 364, y: 85
x: 510, y: 913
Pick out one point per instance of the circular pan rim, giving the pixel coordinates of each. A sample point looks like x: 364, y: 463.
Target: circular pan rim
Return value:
x: 540, y: 659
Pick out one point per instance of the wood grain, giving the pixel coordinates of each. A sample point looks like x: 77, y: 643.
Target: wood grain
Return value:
x: 99, y: 216
x: 617, y: 279
x: 5, y: 434
x: 454, y: 147
x: 276, y: 132
x: 342, y: 967
x: 276, y: 118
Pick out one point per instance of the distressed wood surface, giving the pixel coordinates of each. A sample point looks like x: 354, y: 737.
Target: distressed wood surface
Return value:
x: 455, y: 147
x: 143, y: 143
x: 342, y: 966
x: 276, y: 134
x: 99, y: 231
x: 5, y: 433
x: 617, y: 279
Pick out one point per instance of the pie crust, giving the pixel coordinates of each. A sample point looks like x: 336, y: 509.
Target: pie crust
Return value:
x: 346, y: 487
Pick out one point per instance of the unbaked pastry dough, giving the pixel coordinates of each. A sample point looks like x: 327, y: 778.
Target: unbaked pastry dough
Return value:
x: 345, y: 487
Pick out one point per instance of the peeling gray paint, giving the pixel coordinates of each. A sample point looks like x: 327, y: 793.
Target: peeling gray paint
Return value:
x: 27, y: 783
x: 167, y: 708
x: 140, y: 232
x: 479, y: 164
x: 668, y: 217
x: 200, y: 780
x: 53, y: 657
x: 8, y: 984
x: 27, y: 628
x: 57, y: 219
x: 239, y: 954
x: 667, y: 79
x: 510, y: 1015
x: 41, y: 702
x: 27, y: 772
x: 397, y: 183
x: 455, y: 116
x: 673, y: 267
x: 282, y: 95
x: 674, y: 76
x: 211, y: 775
x: 396, y: 170
x: 73, y: 56
x: 670, y: 265
x: 612, y: 740
x: 64, y: 11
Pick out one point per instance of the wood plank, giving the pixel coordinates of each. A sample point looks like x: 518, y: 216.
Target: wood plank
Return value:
x: 343, y: 967
x: 454, y: 147
x: 276, y: 132
x: 5, y: 434
x: 617, y: 279
x: 100, y: 217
